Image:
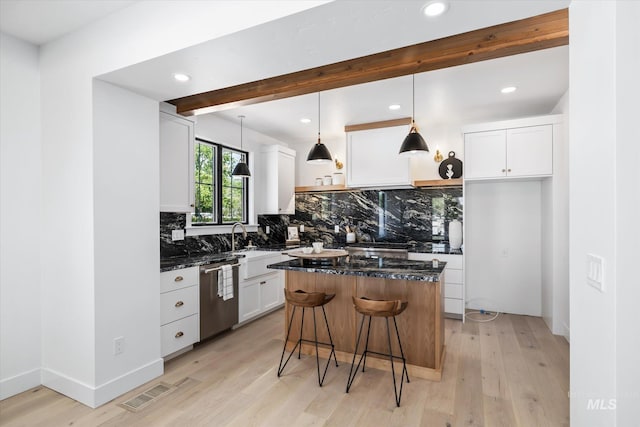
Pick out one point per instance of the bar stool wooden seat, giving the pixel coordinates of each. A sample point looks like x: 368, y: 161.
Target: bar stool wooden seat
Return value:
x: 373, y: 308
x: 308, y: 300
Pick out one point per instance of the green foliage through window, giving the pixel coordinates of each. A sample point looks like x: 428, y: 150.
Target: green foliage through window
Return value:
x: 220, y: 197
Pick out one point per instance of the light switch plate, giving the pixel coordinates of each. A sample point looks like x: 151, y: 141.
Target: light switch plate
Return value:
x: 267, y: 229
x: 595, y: 271
x: 302, y: 228
x: 336, y: 229
x: 177, y: 235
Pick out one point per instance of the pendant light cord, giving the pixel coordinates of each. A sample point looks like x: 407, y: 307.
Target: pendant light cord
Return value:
x: 413, y: 103
x: 318, y: 117
x: 241, y: 117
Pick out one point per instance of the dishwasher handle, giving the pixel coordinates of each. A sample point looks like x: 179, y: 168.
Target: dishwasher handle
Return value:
x: 209, y: 270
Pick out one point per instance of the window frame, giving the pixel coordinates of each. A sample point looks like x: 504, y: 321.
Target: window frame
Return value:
x: 217, y: 185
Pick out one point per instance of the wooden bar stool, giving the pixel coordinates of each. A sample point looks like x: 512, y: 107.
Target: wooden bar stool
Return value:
x: 386, y: 309
x: 308, y: 300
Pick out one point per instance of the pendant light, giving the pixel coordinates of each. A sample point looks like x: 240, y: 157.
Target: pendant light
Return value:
x: 241, y: 170
x: 319, y: 153
x: 414, y: 143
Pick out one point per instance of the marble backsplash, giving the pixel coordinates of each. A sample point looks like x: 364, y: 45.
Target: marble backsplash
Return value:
x: 200, y: 245
x: 407, y: 215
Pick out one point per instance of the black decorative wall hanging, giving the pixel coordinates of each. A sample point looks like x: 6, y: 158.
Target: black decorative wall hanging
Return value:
x: 451, y: 167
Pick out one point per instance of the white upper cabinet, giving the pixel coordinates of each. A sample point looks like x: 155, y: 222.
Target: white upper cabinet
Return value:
x: 278, y: 171
x: 509, y: 153
x: 373, y: 159
x: 530, y: 151
x: 176, y: 163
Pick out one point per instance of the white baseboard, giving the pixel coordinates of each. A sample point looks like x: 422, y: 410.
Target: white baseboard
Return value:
x: 96, y: 396
x: 19, y: 383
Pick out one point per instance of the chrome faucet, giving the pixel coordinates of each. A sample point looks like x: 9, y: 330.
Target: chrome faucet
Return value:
x: 233, y: 236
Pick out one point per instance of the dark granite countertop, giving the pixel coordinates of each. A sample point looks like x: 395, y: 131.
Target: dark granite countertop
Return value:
x: 386, y: 268
x: 168, y: 264
x: 434, y: 248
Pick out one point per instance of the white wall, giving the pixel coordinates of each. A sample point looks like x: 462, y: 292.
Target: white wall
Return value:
x: 20, y: 217
x: 307, y: 173
x: 446, y: 138
x: 561, y: 322
x: 555, y: 229
x: 73, y: 237
x: 127, y: 278
x: 600, y: 346
x: 627, y: 208
x: 502, y: 246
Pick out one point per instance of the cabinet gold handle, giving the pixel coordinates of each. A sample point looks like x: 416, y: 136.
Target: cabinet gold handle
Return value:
x: 178, y: 279
x: 262, y: 283
x: 503, y: 170
x: 179, y: 334
x: 179, y: 304
x: 508, y: 170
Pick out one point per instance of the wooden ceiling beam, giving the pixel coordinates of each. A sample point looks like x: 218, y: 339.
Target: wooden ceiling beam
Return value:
x: 512, y: 38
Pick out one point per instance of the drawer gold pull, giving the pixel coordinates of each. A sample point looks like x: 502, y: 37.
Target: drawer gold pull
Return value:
x: 179, y: 334
x: 178, y: 279
x: 179, y: 304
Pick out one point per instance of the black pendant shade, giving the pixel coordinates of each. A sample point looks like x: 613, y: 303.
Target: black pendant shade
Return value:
x: 319, y: 153
x: 242, y: 169
x: 414, y: 143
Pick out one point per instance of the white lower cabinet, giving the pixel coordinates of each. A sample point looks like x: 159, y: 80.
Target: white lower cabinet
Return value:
x: 453, y: 281
x: 180, y: 334
x: 179, y: 309
x: 260, y: 287
x: 248, y: 300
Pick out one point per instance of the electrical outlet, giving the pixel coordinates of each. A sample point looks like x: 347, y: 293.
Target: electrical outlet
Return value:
x: 302, y: 228
x: 267, y: 229
x: 336, y: 228
x: 118, y: 345
x: 177, y: 235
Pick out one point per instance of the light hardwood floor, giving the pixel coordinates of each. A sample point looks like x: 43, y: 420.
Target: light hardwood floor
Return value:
x: 509, y: 372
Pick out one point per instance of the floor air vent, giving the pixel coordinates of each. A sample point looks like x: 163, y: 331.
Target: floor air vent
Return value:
x: 144, y: 399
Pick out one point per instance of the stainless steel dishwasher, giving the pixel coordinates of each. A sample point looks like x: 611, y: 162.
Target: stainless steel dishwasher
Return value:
x: 216, y: 315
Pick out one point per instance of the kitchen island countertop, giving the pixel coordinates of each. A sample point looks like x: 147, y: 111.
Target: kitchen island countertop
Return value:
x: 386, y: 268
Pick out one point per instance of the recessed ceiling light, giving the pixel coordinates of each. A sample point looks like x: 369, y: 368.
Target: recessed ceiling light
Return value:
x: 508, y: 89
x: 394, y: 107
x: 435, y: 8
x: 181, y: 77
x: 305, y: 120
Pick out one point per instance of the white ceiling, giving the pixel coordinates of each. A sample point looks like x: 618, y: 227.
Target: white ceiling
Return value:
x: 453, y: 96
x: 344, y: 29
x: 326, y: 34
x: 42, y: 21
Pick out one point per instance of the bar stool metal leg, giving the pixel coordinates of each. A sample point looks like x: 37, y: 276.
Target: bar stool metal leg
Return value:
x: 281, y: 366
x: 366, y: 345
x: 352, y: 372
x: 333, y: 348
x: 286, y: 340
x: 404, y: 361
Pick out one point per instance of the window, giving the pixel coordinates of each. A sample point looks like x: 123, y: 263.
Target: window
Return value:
x: 220, y: 197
